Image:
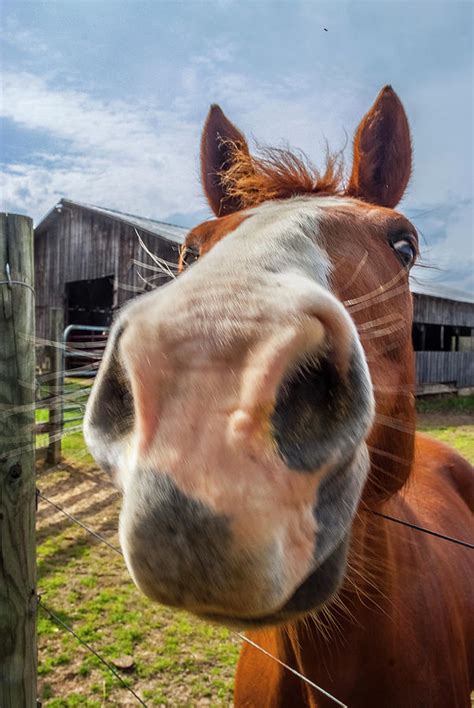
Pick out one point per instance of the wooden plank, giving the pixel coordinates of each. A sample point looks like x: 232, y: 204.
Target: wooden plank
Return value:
x: 434, y: 389
x: 452, y: 368
x: 434, y: 310
x: 56, y: 388
x: 42, y: 428
x: 18, y: 654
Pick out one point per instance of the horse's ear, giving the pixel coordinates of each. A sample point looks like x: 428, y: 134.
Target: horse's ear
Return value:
x: 218, y: 138
x: 382, y: 152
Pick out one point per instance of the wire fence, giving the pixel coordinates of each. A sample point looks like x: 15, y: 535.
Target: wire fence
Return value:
x: 241, y: 636
x: 107, y: 664
x: 71, y: 397
x: 89, y: 648
x: 63, y: 388
x: 63, y: 384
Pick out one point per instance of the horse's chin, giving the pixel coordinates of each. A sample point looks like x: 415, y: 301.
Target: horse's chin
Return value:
x: 313, y: 593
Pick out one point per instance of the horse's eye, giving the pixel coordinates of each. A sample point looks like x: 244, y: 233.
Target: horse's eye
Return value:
x: 405, y: 251
x: 188, y: 256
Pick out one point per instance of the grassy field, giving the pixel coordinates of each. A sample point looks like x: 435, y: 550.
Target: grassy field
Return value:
x: 450, y: 420
x: 168, y: 657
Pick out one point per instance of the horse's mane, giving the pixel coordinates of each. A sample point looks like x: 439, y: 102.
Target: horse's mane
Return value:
x: 277, y: 173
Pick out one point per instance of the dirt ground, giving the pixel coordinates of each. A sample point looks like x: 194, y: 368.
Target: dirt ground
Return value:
x: 440, y: 419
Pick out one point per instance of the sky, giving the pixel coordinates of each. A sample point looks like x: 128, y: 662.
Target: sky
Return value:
x: 103, y: 101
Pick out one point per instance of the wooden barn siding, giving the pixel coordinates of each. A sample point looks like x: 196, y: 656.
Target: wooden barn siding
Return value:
x: 48, y: 295
x: 445, y: 367
x: 130, y: 251
x: 81, y: 244
x: 435, y: 310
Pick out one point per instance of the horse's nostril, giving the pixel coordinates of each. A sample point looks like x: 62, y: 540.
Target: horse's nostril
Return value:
x: 110, y: 408
x: 316, y: 382
x: 319, y: 412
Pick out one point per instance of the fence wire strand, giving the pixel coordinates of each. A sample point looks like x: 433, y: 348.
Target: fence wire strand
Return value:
x: 238, y: 634
x: 59, y: 621
x: 293, y: 671
x: 422, y: 529
x: 79, y: 523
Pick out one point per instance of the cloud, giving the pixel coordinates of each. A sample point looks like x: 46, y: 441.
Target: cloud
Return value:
x: 134, y: 158
x: 142, y: 156
x: 446, y: 243
x: 25, y: 40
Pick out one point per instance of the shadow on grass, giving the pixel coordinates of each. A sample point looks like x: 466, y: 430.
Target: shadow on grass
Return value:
x: 68, y: 551
x: 59, y: 547
x: 57, y: 527
x: 445, y: 404
x: 65, y: 617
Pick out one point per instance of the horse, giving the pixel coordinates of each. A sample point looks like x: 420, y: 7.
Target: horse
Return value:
x: 258, y: 414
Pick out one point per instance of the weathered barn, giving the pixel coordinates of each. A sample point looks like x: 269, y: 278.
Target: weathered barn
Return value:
x: 89, y: 261
x: 443, y: 338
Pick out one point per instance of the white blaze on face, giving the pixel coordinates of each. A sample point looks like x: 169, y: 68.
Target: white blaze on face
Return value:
x: 206, y: 356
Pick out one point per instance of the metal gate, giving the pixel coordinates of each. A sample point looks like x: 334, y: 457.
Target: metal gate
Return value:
x: 83, y: 348
x: 65, y: 388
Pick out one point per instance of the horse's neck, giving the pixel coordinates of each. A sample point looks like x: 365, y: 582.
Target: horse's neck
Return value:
x: 323, y: 639
x: 372, y: 561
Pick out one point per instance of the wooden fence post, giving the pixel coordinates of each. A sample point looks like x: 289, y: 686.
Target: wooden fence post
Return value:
x: 56, y: 388
x: 18, y: 603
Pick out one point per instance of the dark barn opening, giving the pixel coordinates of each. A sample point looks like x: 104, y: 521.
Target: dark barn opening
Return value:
x: 443, y: 329
x: 89, y: 261
x: 90, y: 302
x: 442, y: 338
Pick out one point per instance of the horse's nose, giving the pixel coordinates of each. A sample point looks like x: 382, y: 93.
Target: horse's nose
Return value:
x: 159, y: 526
x: 263, y: 352
x: 181, y: 552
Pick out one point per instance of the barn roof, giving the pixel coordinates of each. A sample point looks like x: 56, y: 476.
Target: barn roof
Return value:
x: 444, y: 292
x: 151, y: 226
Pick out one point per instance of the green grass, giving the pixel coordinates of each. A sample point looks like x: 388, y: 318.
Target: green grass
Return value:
x: 446, y: 404
x: 178, y: 660
x: 450, y: 420
x: 73, y: 446
x: 461, y: 438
